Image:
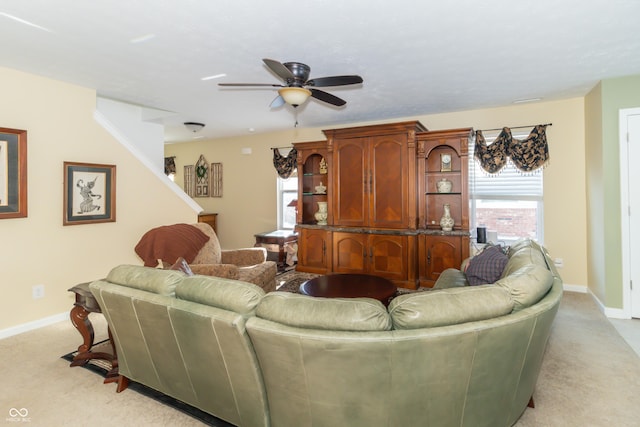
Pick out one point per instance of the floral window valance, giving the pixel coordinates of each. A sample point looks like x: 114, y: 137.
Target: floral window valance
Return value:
x: 285, y: 165
x: 527, y: 154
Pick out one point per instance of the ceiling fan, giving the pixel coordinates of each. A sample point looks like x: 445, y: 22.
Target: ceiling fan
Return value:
x: 298, y: 88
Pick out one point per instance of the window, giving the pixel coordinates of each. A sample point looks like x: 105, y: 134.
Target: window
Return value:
x: 509, y: 203
x: 287, y: 192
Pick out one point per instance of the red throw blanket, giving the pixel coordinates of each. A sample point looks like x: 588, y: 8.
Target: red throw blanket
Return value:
x: 170, y: 242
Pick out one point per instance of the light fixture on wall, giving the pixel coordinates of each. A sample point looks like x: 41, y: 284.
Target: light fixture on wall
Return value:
x: 294, y: 95
x: 194, y: 126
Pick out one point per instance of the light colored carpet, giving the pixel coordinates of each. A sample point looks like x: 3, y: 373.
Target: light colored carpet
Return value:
x: 590, y: 377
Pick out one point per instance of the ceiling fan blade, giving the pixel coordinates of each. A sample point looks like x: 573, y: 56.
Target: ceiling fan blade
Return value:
x: 277, y: 102
x: 249, y: 84
x: 327, y: 97
x: 335, y: 81
x: 278, y: 68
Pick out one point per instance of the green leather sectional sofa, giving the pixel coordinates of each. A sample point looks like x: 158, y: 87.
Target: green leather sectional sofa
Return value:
x: 460, y: 356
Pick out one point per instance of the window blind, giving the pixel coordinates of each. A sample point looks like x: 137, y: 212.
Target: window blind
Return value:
x: 509, y: 184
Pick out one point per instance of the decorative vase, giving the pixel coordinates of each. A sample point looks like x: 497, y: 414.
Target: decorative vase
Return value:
x: 321, y: 214
x: 446, y: 222
x: 323, y: 166
x: 444, y: 186
x: 321, y: 189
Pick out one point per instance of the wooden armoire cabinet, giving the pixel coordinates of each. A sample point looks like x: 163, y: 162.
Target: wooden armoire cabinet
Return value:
x: 314, y: 250
x: 443, y: 164
x: 374, y: 175
x: 385, y: 255
x: 383, y: 202
x: 313, y: 164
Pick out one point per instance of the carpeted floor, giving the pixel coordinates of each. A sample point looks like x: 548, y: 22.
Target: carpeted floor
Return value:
x: 291, y: 280
x: 101, y: 367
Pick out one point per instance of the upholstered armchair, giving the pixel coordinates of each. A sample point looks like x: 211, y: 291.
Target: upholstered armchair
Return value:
x: 247, y: 264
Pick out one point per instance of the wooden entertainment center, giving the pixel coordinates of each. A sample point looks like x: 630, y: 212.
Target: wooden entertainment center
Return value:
x: 386, y: 188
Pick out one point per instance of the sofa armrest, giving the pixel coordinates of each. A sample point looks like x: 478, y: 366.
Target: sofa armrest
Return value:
x: 244, y: 257
x: 228, y: 271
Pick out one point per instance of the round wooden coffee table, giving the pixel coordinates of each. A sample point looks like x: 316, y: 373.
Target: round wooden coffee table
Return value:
x: 350, y: 286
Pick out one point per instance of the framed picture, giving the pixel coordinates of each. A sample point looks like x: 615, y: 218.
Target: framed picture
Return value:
x: 89, y: 193
x: 445, y: 162
x: 13, y: 173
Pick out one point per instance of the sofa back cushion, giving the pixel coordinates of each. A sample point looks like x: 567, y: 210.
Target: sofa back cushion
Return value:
x: 338, y: 314
x: 227, y: 294
x: 521, y: 253
x: 449, y: 306
x: 527, y: 285
x: 148, y: 279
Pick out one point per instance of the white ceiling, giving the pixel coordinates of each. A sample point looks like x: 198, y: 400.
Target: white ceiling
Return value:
x: 416, y: 56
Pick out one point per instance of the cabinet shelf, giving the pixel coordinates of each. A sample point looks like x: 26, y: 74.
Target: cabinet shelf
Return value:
x: 454, y: 172
x: 434, y: 193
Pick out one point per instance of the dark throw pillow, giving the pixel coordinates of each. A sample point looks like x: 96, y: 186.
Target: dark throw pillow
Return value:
x: 486, y: 267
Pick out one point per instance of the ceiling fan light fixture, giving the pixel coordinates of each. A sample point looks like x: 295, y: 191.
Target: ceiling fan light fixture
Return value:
x: 194, y: 126
x: 294, y: 95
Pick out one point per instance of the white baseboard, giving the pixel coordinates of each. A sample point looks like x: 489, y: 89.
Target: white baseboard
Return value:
x: 613, y: 313
x: 30, y: 326
x: 574, y: 288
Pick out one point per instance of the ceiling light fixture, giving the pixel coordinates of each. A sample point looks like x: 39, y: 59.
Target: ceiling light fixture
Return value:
x: 294, y: 95
x: 194, y: 126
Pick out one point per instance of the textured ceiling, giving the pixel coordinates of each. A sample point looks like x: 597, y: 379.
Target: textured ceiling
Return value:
x: 416, y: 56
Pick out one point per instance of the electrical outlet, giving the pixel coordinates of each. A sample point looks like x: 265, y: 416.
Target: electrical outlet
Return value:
x: 37, y: 291
x: 559, y: 262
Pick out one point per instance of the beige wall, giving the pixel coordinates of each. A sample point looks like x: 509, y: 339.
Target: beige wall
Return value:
x: 603, y: 184
x: 248, y: 205
x: 595, y: 194
x: 38, y: 249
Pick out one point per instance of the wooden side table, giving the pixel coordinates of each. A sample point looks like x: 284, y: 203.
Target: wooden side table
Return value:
x: 211, y: 219
x: 85, y: 304
x: 279, y: 238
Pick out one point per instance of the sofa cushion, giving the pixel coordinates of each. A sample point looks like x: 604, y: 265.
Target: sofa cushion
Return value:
x: 451, y: 278
x: 527, y: 285
x: 148, y: 279
x: 233, y: 295
x: 449, y: 306
x: 487, y: 266
x: 335, y: 314
x: 522, y: 256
